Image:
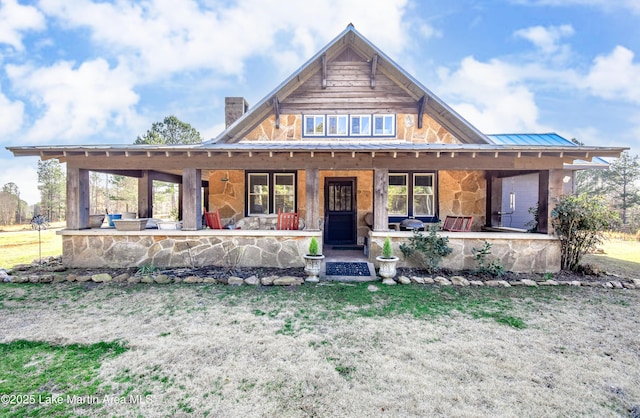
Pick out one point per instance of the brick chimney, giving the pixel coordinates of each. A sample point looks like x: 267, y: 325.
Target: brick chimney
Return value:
x: 234, y: 107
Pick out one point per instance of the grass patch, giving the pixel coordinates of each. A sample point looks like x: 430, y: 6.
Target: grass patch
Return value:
x: 37, y: 374
x: 21, y: 247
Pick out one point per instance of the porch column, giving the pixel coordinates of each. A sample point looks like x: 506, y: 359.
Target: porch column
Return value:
x: 191, y: 199
x: 550, y: 187
x: 494, y: 199
x: 145, y: 196
x: 312, y: 202
x: 380, y: 199
x: 77, y: 198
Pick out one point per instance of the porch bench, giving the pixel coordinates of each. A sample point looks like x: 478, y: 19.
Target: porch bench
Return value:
x: 457, y: 223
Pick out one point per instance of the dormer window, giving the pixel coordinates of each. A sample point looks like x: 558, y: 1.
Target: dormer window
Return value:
x: 337, y: 125
x: 314, y: 125
x: 361, y: 125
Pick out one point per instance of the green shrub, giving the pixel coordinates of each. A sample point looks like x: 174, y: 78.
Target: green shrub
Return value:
x: 493, y: 267
x: 313, y: 246
x: 580, y: 223
x: 427, y: 250
x: 387, y: 250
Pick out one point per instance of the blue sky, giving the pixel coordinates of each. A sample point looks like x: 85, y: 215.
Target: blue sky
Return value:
x: 87, y: 72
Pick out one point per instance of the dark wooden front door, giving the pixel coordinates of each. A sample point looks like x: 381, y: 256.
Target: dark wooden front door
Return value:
x: 340, y: 212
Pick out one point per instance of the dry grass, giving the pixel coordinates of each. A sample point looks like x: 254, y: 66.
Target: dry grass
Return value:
x: 19, y: 244
x: 227, y: 352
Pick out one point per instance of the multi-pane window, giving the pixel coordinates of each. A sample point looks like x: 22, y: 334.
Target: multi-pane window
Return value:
x: 361, y: 125
x: 258, y: 193
x: 314, y: 125
x: 349, y: 125
x: 268, y: 192
x: 384, y: 125
x: 411, y: 194
x: 284, y: 193
x: 423, y: 196
x: 398, y: 195
x: 337, y: 125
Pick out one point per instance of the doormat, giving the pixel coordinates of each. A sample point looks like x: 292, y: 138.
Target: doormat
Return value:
x: 347, y: 247
x: 347, y: 269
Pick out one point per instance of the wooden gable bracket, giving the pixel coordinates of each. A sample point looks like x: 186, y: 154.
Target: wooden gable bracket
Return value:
x: 276, y: 110
x: 374, y: 67
x: 324, y: 71
x: 422, y: 103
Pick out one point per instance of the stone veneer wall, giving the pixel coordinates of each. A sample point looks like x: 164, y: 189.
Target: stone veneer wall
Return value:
x: 518, y: 252
x: 406, y: 129
x: 228, y: 195
x: 463, y: 193
x: 117, y: 249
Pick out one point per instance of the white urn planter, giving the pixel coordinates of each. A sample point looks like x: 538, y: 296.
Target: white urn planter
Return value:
x: 312, y: 266
x: 387, y: 269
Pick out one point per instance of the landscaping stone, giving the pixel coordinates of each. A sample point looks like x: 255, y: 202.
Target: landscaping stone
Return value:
x: 4, y: 276
x: 497, y: 283
x: 83, y: 278
x: 162, y: 279
x: 101, y: 278
x: 417, y: 279
x: 628, y: 285
x: 404, y: 280
x: 121, y: 277
x: 442, y: 281
x: 288, y: 281
x: 608, y: 285
x: 59, y: 278
x: 268, y: 281
x: 34, y: 278
x: 252, y: 280
x: 616, y: 284
x: 389, y: 282
x: 133, y: 279
x: 192, y: 279
x: 146, y: 279
x: 529, y: 282
x: 459, y: 281
x: 429, y: 280
x: 478, y: 283
x: 47, y: 278
x: 636, y: 282
x: 548, y: 283
x: 19, y: 279
x: 373, y: 288
x: 72, y: 277
x: 235, y: 281
x: 210, y: 280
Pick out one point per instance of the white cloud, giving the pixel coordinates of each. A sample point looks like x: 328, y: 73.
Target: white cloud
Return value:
x: 11, y: 115
x: 546, y: 39
x: 615, y: 76
x: 492, y: 96
x: 76, y: 102
x: 158, y: 38
x: 15, y: 19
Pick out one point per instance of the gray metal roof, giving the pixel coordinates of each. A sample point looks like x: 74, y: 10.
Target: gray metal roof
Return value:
x: 552, y: 139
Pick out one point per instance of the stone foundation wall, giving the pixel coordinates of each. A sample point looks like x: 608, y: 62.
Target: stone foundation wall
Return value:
x: 519, y: 253
x: 115, y: 249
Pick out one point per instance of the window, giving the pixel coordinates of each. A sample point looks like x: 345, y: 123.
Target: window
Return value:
x: 258, y: 193
x: 423, y: 197
x: 314, y: 125
x: 398, y: 195
x: 384, y: 125
x: 284, y: 192
x: 411, y: 194
x: 337, y: 125
x: 361, y: 125
x: 268, y: 192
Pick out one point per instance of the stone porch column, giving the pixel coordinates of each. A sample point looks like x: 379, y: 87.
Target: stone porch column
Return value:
x: 550, y: 187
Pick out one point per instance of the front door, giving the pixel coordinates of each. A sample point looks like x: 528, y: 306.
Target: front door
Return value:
x: 340, y: 211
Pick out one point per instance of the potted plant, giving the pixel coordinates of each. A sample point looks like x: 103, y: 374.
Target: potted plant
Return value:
x: 313, y: 262
x: 387, y: 263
